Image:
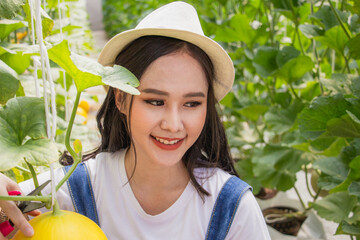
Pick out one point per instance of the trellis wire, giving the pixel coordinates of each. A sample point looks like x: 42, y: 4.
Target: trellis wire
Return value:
x: 46, y: 73
x: 63, y: 72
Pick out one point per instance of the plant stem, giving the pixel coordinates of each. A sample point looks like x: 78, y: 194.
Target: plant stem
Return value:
x: 301, y: 201
x: 76, y: 157
x: 347, y: 64
x: 22, y: 169
x: 293, y: 91
x: 69, y: 128
x: 317, y: 195
x: 56, y: 208
x: 316, y: 55
x: 27, y: 198
x: 270, y: 25
x: 339, y: 20
x: 33, y: 174
x: 299, y: 39
x: 307, y: 183
x: 259, y: 132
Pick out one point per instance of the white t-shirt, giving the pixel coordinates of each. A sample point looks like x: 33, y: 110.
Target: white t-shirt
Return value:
x: 121, y: 216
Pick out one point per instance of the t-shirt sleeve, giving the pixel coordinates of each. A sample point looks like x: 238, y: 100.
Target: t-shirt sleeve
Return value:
x: 62, y: 195
x: 248, y: 222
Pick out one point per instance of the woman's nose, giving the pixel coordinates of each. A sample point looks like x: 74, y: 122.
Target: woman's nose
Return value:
x: 172, y: 121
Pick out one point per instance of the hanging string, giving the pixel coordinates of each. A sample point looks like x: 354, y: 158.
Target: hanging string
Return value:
x: 35, y: 59
x: 32, y: 21
x: 42, y: 57
x: 37, y: 63
x: 46, y: 76
x: 62, y: 71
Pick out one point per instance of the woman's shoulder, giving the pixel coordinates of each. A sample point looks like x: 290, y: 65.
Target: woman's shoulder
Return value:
x: 104, y: 163
x: 104, y: 159
x: 211, y: 179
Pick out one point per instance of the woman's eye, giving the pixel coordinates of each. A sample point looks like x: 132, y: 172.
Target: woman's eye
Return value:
x: 192, y: 104
x: 155, y: 102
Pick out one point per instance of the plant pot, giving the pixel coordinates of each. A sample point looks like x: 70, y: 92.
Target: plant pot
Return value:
x: 284, y: 219
x: 310, y: 229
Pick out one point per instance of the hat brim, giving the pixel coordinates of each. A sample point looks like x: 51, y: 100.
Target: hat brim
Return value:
x: 223, y: 65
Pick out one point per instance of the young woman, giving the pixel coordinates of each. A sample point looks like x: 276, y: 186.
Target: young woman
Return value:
x: 163, y: 169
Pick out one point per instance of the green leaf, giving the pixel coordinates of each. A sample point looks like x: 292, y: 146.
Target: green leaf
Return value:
x: 327, y: 17
x: 355, y: 168
x: 279, y: 120
x: 350, y: 229
x: 314, y: 118
x: 282, y: 120
x: 332, y: 166
x: 23, y: 133
x: 68, y: 78
x: 6, y: 50
x: 8, y: 26
x: 67, y: 29
x: 355, y: 86
x: 9, y: 82
x: 46, y: 21
x: 295, y: 68
x: 276, y: 166
x: 335, y: 207
x: 354, y: 47
x: 18, y: 61
x: 339, y: 83
x: 343, y: 127
x: 265, y: 61
x: 88, y: 73
x: 311, y: 90
x: 285, y: 54
x: 285, y: 5
x: 353, y: 175
x: 77, y: 146
x: 9, y: 8
x: 334, y: 38
x: 253, y: 112
x: 244, y: 169
x: 238, y: 29
x: 121, y: 78
x: 311, y: 31
x: 48, y: 25
x: 354, y: 188
x: 328, y: 146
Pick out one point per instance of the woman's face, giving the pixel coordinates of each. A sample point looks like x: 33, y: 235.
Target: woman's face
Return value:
x: 169, y: 114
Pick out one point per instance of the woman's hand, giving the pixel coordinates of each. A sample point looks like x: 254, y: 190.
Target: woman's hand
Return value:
x: 11, y: 210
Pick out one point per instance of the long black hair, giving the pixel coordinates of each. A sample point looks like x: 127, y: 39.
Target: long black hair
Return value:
x: 211, y: 149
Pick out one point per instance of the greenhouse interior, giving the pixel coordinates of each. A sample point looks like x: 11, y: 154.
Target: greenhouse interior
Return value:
x: 291, y: 117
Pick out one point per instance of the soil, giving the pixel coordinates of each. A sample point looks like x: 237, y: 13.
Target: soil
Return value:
x: 285, y: 225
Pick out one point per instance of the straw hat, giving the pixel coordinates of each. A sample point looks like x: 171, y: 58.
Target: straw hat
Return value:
x: 177, y: 20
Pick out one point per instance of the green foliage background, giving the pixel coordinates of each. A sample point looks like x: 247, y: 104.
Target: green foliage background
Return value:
x: 295, y: 103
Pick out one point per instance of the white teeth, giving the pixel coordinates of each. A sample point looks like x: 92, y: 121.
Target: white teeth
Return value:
x: 166, y: 141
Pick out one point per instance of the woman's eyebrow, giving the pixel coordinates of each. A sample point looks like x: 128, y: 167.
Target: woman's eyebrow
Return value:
x: 155, y: 91
x: 195, y: 94
x: 163, y: 93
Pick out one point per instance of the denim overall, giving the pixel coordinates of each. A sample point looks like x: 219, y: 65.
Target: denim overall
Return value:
x: 222, y: 215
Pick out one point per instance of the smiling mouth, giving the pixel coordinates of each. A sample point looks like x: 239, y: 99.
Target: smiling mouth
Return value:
x: 167, y: 142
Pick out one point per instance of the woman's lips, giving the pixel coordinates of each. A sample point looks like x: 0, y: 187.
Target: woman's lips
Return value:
x: 167, y: 143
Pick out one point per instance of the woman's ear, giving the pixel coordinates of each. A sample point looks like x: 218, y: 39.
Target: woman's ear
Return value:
x: 119, y: 100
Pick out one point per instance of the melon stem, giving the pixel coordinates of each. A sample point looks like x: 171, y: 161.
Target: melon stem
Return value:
x: 56, y: 208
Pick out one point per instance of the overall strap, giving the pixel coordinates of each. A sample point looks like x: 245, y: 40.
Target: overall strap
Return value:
x: 225, y: 208
x: 81, y: 192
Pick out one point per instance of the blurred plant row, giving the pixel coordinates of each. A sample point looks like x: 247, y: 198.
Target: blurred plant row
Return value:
x: 295, y: 105
x: 26, y: 120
